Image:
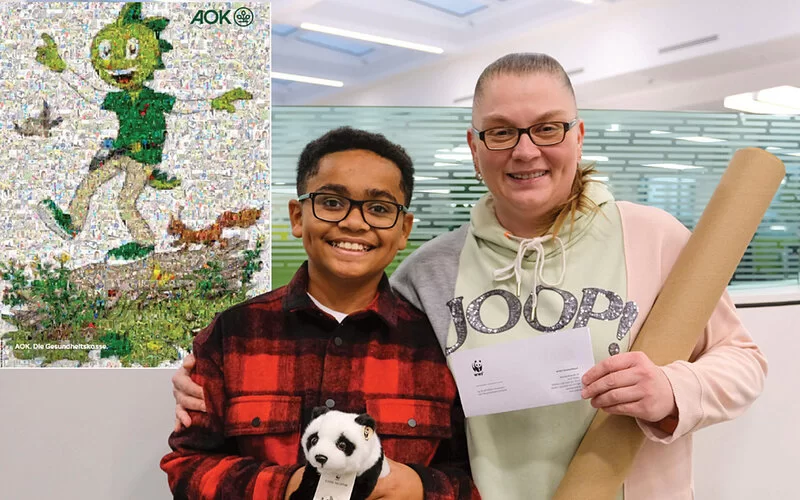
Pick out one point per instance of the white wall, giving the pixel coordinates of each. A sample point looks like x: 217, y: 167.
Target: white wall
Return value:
x: 756, y: 455
x: 84, y: 434
x: 87, y: 434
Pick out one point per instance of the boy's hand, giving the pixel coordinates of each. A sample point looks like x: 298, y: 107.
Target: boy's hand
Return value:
x: 48, y: 55
x: 226, y: 100
x: 294, y: 482
x: 402, y: 483
x: 188, y: 395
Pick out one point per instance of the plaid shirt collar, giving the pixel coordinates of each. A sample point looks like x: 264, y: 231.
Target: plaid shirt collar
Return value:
x: 382, y: 305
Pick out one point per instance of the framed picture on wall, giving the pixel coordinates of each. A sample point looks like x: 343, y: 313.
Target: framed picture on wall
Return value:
x: 134, y: 175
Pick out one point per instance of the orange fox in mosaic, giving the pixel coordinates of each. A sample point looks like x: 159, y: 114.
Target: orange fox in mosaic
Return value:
x: 213, y: 233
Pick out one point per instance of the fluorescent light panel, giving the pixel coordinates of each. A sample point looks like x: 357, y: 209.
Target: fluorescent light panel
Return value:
x: 306, y: 79
x: 283, y: 29
x: 371, y: 38
x: 785, y: 95
x: 337, y: 43
x: 748, y: 103
x: 594, y: 158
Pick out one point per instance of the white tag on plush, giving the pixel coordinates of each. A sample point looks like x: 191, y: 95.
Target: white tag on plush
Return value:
x: 334, y: 486
x: 385, y: 468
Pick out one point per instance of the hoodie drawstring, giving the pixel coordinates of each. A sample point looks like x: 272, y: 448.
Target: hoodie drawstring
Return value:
x: 515, y: 268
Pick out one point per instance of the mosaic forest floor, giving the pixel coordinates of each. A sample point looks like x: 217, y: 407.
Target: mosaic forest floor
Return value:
x: 144, y: 313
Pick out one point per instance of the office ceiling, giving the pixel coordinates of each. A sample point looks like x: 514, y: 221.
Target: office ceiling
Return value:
x: 624, y: 54
x: 457, y: 26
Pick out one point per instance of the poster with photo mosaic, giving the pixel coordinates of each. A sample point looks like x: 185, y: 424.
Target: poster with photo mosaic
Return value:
x: 134, y: 176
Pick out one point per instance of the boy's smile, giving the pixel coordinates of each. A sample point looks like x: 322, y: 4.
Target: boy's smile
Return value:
x: 350, y: 255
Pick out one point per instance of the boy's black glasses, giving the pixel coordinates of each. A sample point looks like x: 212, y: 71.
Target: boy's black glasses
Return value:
x: 379, y: 214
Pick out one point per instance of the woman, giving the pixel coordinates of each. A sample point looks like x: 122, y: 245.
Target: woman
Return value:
x: 574, y: 257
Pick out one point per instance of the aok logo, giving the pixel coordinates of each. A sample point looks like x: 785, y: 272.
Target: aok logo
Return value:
x: 241, y: 16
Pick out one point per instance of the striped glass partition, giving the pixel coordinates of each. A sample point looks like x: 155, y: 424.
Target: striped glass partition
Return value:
x: 672, y: 160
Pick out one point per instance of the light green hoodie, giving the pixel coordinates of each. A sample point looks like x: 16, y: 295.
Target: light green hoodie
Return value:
x: 615, y: 264
x: 579, y: 286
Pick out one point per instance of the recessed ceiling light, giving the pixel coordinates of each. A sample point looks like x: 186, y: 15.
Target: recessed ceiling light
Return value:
x: 778, y: 228
x: 747, y: 102
x: 671, y: 166
x: 434, y: 191
x: 773, y: 148
x: 701, y: 139
x: 423, y: 178
x: 306, y: 79
x: 793, y: 154
x: 372, y: 38
x: 614, y: 127
x: 659, y: 132
x: 785, y: 95
x: 594, y: 158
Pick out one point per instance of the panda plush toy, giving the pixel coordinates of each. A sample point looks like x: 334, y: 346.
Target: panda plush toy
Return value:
x: 341, y: 443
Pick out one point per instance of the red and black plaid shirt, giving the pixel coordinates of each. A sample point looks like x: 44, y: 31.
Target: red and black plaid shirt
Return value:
x: 266, y: 363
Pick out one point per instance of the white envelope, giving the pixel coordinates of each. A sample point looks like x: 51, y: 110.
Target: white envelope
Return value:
x: 538, y: 371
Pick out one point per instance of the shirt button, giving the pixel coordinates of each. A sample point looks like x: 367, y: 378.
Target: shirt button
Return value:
x: 256, y: 422
x: 412, y: 422
x: 338, y: 341
x: 330, y: 403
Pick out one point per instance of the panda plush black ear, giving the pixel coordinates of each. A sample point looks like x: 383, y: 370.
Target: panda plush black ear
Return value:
x: 366, y: 421
x: 319, y: 410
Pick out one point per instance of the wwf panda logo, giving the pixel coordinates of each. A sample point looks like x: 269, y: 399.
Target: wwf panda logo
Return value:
x: 477, y: 367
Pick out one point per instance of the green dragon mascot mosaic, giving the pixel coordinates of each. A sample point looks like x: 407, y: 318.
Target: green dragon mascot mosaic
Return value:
x: 125, y: 54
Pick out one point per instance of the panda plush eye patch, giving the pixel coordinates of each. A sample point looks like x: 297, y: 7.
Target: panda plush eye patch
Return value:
x: 312, y: 440
x: 345, y: 445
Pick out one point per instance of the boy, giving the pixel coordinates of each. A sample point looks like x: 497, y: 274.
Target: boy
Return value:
x: 337, y: 336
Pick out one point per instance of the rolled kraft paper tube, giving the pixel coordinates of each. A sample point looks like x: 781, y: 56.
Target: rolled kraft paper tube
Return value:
x: 694, y: 286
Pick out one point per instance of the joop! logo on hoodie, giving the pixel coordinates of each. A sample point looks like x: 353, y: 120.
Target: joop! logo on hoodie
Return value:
x: 581, y: 312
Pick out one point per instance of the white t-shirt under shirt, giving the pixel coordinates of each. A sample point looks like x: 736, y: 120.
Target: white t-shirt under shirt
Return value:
x: 339, y: 316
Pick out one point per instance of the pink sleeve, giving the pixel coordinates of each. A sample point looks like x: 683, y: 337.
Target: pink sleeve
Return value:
x: 726, y: 370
